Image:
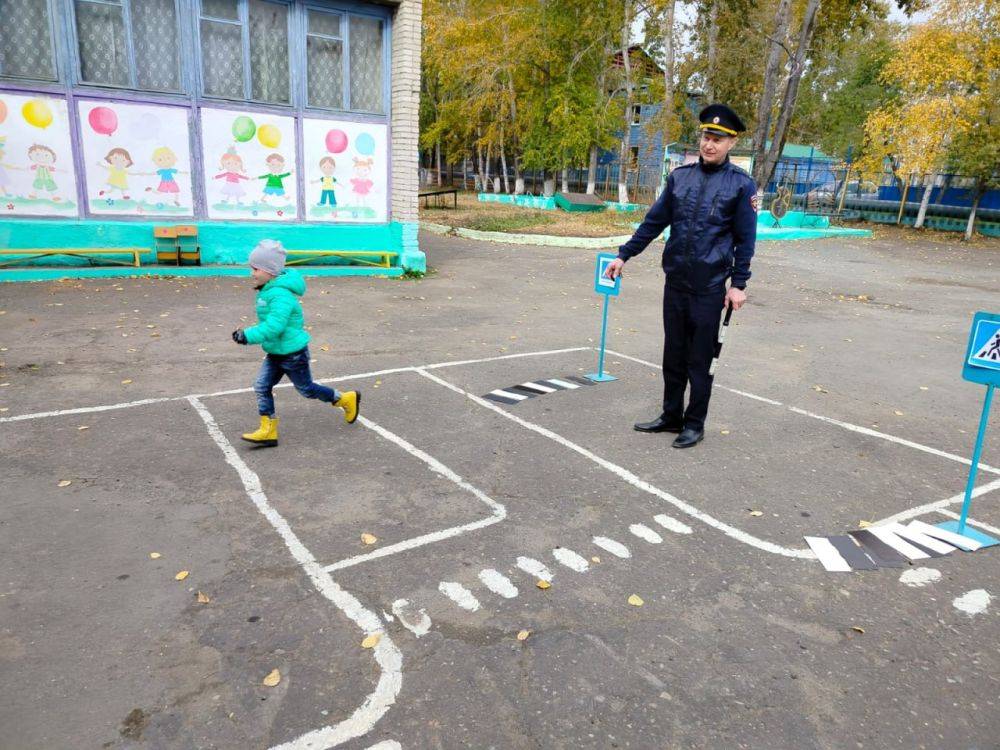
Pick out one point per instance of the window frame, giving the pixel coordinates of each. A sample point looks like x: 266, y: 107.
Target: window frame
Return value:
x: 76, y: 64
x: 53, y: 51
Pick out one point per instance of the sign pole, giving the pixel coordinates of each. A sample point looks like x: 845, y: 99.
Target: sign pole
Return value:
x: 607, y: 288
x: 604, y: 334
x: 976, y: 453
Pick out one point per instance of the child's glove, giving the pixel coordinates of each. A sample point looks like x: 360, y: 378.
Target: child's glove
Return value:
x: 239, y: 337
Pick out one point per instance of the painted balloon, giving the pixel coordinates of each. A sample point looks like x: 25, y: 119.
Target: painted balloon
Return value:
x: 336, y: 141
x: 37, y: 113
x: 3, y: 111
x: 243, y: 128
x: 103, y: 120
x: 365, y: 144
x: 269, y: 136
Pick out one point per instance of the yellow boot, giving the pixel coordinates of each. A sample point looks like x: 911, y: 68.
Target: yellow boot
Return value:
x: 266, y: 434
x: 350, y: 402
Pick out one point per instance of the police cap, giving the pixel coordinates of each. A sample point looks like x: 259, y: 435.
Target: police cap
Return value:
x: 721, y: 120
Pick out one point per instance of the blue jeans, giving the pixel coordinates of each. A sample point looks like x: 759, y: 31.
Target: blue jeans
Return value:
x: 296, y: 367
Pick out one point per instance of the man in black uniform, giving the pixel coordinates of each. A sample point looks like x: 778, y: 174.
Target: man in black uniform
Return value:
x: 711, y: 209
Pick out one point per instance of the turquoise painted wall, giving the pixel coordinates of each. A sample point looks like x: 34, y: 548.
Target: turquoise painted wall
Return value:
x: 221, y: 242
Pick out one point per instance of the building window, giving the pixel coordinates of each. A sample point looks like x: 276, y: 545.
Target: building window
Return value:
x: 244, y: 50
x: 128, y: 43
x: 325, y: 60
x: 328, y: 33
x: 366, y: 64
x: 633, y: 158
x: 636, y: 114
x: 26, y: 40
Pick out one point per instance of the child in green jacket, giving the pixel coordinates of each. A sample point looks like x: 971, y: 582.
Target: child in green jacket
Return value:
x: 281, y: 334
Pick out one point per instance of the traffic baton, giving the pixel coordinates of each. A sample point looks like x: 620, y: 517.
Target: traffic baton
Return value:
x: 722, y: 337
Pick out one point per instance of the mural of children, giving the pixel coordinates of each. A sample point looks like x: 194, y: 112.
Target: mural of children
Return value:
x: 166, y: 160
x: 232, y: 172
x: 327, y: 182
x: 274, y: 186
x: 43, y: 161
x: 118, y: 161
x: 361, y: 183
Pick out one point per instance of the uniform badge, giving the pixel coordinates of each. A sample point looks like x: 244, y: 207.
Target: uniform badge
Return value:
x: 755, y: 203
x: 715, y: 120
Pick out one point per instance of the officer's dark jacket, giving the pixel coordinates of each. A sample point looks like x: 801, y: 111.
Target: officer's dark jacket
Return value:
x: 713, y: 227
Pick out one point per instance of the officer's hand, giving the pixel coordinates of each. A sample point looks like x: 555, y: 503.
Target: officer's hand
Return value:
x: 735, y: 298
x: 614, y: 269
x: 239, y: 337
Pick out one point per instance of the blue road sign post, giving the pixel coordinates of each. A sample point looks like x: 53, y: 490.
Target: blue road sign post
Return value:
x: 609, y: 288
x: 982, y: 365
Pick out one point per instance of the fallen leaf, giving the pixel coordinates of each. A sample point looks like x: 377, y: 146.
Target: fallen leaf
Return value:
x: 4, y: 408
x: 523, y: 635
x: 543, y: 585
x: 819, y: 389
x: 203, y: 598
x: 898, y: 413
x: 155, y: 555
x: 368, y: 539
x: 83, y: 427
x: 371, y: 641
x: 725, y: 432
x: 864, y: 524
x: 65, y: 482
x: 856, y: 629
x: 273, y: 678
x: 126, y: 381
x: 756, y: 513
x: 181, y: 576
x: 595, y: 559
x: 635, y: 600
x: 325, y: 348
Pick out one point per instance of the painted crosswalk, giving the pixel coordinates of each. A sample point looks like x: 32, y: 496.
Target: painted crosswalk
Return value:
x: 515, y: 394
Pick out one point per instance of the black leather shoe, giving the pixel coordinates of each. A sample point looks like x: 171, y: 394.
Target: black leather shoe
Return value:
x: 660, y: 424
x: 689, y: 438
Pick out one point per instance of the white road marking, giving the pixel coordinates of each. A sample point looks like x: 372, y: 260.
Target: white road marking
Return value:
x: 940, y: 505
x: 499, y: 511
x: 386, y: 745
x: 417, y: 622
x: 645, y: 533
x: 615, y: 548
x: 459, y: 594
x: 386, y: 654
x: 534, y: 568
x: 89, y: 409
x: 571, y: 559
x: 498, y: 583
x: 672, y: 524
x: 631, y: 478
x: 973, y: 602
x: 970, y: 522
x: 918, y: 577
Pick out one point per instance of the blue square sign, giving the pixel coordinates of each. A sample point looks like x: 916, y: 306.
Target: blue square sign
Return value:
x: 982, y: 357
x: 602, y: 284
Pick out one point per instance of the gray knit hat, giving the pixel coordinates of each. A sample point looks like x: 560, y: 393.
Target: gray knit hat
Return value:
x: 269, y: 256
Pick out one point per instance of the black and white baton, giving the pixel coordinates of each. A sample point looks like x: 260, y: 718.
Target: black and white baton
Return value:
x: 722, y: 337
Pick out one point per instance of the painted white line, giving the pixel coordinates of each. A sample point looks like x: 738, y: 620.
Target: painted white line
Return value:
x: 973, y: 602
x: 387, y: 745
x: 615, y: 548
x: 498, y: 583
x: 531, y: 386
x: 386, y: 654
x: 459, y: 594
x: 509, y: 394
x: 564, y: 383
x: 414, y: 620
x: 534, y: 568
x: 458, y: 363
x: 631, y: 478
x: 837, y: 422
x: 970, y: 521
x: 571, y: 560
x: 672, y: 524
x: 645, y: 533
x: 87, y: 409
x: 940, y: 505
x: 499, y: 511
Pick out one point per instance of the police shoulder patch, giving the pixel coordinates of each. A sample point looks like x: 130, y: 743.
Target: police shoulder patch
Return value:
x: 755, y: 202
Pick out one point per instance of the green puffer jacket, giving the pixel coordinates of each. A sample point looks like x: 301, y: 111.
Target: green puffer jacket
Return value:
x: 280, y: 322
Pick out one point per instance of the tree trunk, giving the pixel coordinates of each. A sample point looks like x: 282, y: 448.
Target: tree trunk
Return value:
x: 623, y: 151
x: 565, y: 179
x: 787, y: 107
x: 766, y: 101
x: 503, y: 167
x: 971, y: 226
x: 437, y: 160
x: 667, y: 31
x: 925, y: 199
x: 592, y: 171
x: 713, y: 44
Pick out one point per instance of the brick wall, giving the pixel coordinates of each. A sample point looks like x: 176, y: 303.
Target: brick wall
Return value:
x: 405, y: 110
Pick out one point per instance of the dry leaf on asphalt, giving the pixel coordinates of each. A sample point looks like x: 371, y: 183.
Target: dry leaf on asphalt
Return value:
x: 595, y: 559
x: 65, y: 482
x: 368, y: 539
x: 83, y: 427
x: 126, y: 381
x: 856, y: 629
x: 155, y: 555
x: 523, y: 635
x: 273, y: 678
x: 371, y: 641
x: 181, y: 576
x: 725, y: 432
x: 864, y: 524
x: 325, y: 348
x: 544, y: 585
x: 203, y: 598
x: 635, y: 600
x: 756, y: 513
x: 898, y: 413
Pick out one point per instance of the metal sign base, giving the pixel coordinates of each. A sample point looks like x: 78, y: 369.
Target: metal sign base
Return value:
x: 983, y: 539
x: 600, y: 377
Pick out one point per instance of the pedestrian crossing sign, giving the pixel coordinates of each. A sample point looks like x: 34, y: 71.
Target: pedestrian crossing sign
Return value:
x: 982, y: 359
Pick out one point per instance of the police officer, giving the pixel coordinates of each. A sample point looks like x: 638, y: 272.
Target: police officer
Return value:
x: 711, y: 209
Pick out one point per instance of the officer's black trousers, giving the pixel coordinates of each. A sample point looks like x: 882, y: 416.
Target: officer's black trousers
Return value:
x: 691, y: 330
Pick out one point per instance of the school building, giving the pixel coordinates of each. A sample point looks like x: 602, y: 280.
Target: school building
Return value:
x: 288, y: 119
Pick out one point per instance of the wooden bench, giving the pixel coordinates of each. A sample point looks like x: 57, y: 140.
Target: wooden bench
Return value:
x: 90, y: 253
x: 364, y: 257
x: 427, y: 194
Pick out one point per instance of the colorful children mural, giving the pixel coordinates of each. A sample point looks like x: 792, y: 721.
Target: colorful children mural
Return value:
x: 137, y: 159
x: 249, y: 164
x: 36, y: 157
x: 347, y: 171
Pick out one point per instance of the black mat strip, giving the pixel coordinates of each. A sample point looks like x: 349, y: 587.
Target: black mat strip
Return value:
x: 881, y: 553
x: 852, y: 553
